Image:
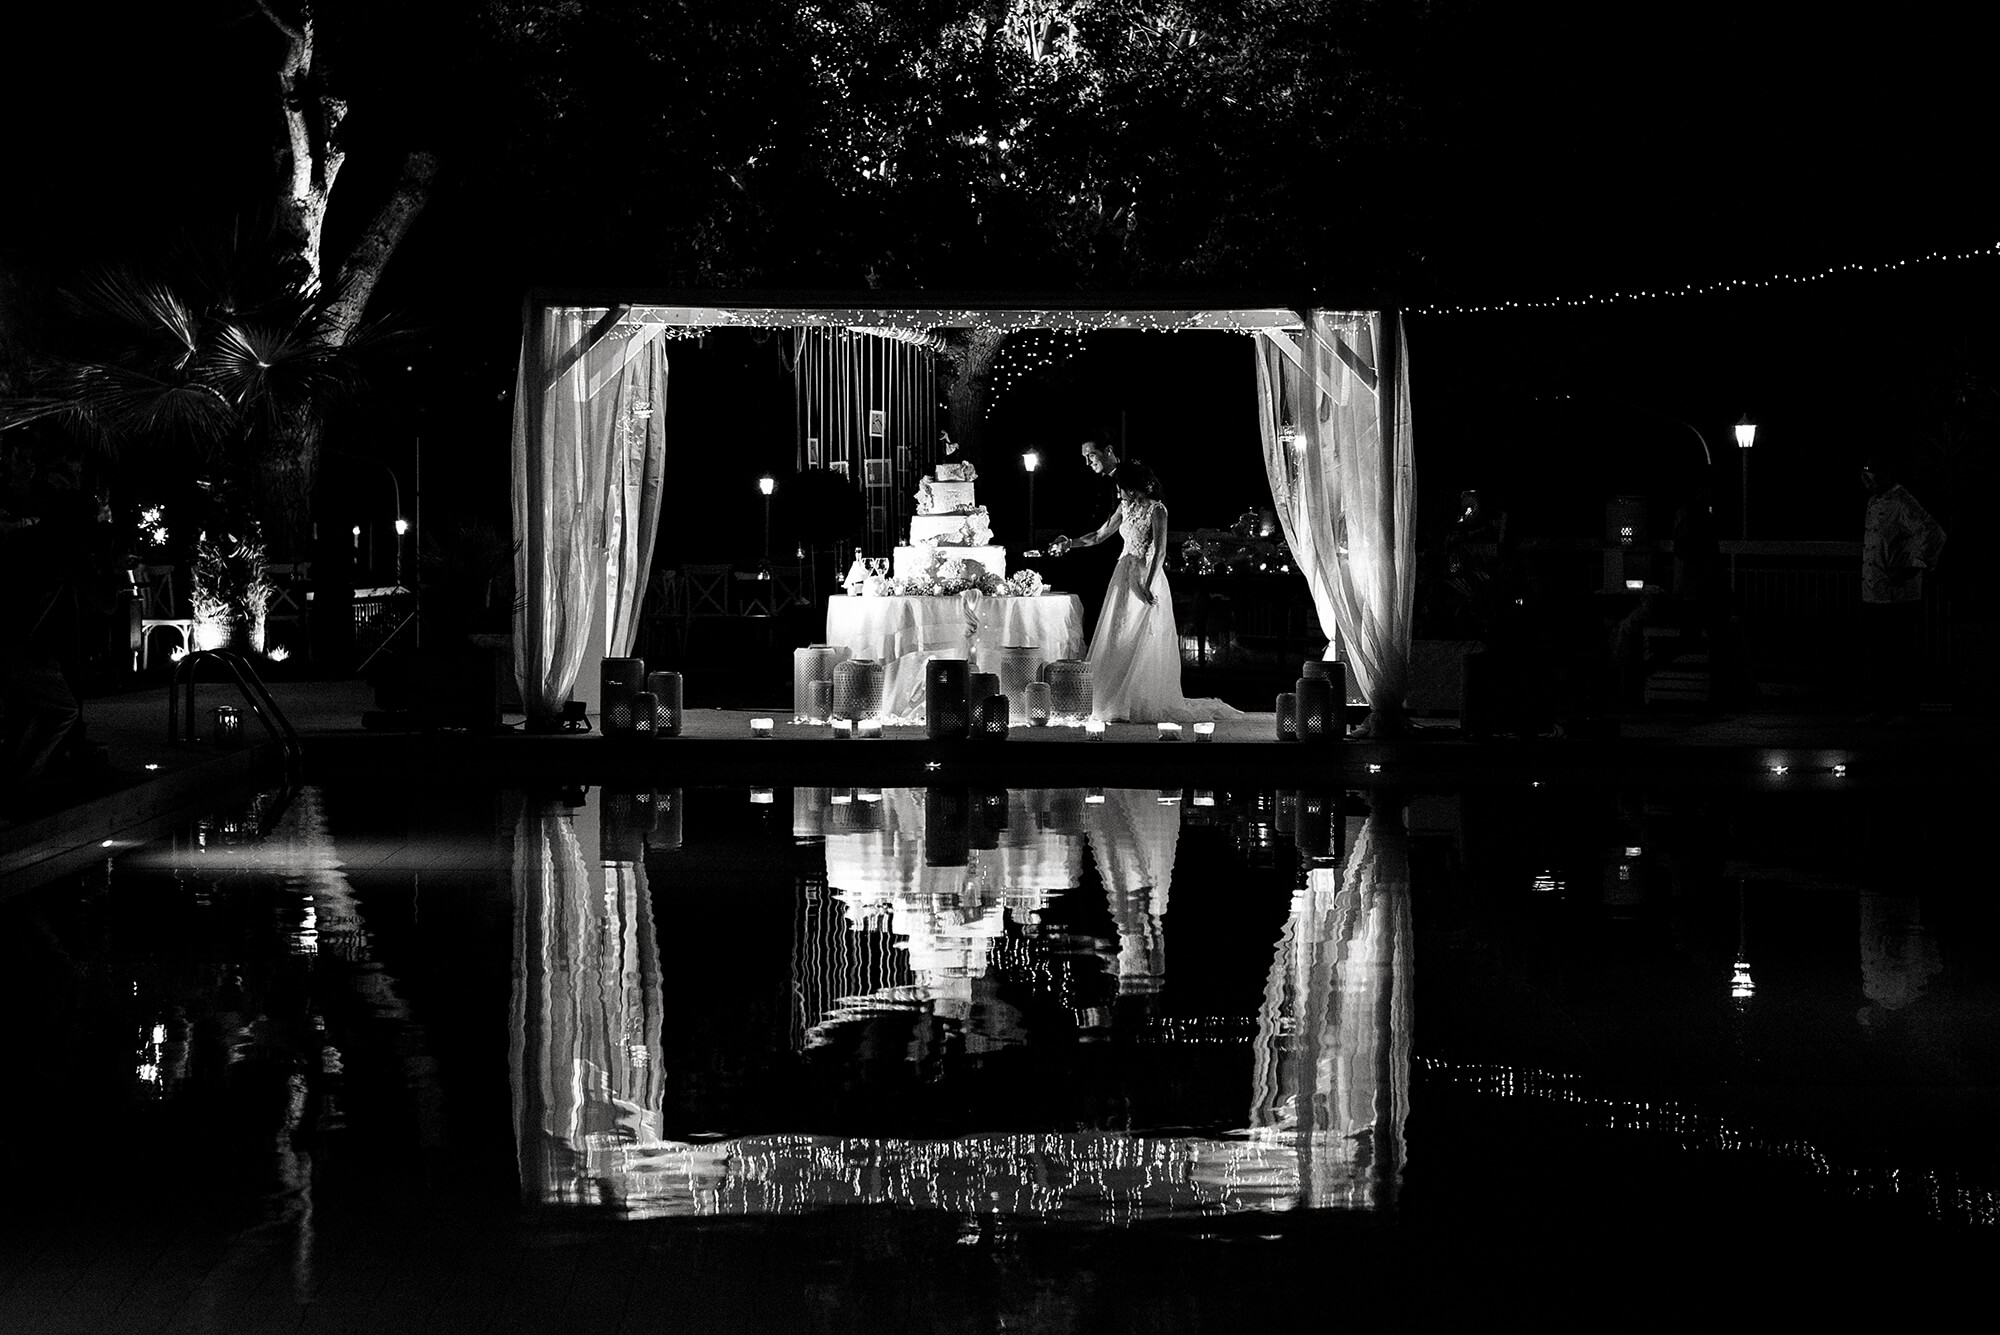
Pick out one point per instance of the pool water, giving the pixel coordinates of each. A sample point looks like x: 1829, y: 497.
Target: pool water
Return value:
x: 1056, y: 1056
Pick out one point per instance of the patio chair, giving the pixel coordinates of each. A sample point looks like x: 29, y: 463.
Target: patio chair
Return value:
x: 159, y: 608
x: 704, y: 595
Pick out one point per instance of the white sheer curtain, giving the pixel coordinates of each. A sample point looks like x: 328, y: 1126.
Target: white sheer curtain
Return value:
x: 1334, y: 411
x: 589, y: 454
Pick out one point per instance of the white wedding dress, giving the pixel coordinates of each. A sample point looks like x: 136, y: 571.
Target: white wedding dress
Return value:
x: 1135, y: 653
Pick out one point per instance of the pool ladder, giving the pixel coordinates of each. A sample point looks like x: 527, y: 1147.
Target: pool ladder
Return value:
x: 255, y: 694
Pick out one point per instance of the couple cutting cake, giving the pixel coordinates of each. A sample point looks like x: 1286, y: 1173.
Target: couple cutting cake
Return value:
x: 1135, y: 651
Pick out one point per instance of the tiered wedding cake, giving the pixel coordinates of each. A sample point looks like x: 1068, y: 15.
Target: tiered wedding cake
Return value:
x: 950, y: 522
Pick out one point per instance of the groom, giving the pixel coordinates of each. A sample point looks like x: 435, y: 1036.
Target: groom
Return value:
x: 1088, y: 568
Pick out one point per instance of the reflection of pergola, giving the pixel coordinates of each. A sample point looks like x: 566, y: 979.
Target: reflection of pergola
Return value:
x: 590, y: 451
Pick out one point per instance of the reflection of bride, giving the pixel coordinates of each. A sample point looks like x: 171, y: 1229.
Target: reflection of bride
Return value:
x: 1135, y: 652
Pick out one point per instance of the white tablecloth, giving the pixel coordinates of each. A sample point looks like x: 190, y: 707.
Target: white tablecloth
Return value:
x: 903, y: 632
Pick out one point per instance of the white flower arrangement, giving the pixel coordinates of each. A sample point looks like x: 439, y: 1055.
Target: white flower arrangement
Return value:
x: 1025, y: 584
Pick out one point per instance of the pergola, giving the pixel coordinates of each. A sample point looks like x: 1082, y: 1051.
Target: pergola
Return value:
x: 591, y: 453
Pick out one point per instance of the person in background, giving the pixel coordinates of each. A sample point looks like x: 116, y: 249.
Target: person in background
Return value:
x: 1899, y: 542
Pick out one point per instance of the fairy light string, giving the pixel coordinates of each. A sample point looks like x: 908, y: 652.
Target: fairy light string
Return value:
x: 1728, y: 285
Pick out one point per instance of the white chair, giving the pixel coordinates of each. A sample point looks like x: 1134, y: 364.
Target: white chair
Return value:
x: 159, y: 608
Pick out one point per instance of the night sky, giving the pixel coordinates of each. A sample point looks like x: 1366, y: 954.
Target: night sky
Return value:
x: 1565, y: 150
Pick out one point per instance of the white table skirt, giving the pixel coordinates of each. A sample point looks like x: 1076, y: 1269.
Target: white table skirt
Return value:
x: 903, y: 632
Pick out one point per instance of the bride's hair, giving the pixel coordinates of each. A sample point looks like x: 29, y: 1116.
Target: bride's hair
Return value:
x: 1139, y: 478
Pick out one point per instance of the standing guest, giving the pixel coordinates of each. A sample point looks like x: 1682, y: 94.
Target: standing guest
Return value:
x: 1899, y: 541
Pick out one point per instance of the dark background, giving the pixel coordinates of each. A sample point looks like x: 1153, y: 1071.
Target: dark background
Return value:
x: 1587, y: 157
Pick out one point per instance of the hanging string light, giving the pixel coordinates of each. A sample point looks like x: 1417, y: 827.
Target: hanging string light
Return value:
x: 1710, y: 289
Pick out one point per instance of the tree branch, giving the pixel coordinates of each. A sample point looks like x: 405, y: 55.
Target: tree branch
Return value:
x: 364, y: 264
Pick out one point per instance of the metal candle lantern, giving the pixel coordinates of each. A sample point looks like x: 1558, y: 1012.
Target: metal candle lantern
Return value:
x: 665, y: 688
x: 228, y: 728
x: 1313, y: 667
x: 857, y: 688
x: 1285, y: 820
x: 947, y: 840
x: 1037, y: 707
x: 946, y: 709
x: 1288, y: 716
x: 1313, y: 707
x: 979, y: 685
x: 1312, y: 828
x: 815, y: 662
x: 989, y: 718
x: 644, y: 711
x: 666, y: 833
x: 621, y: 679
x: 1019, y: 665
x: 1070, y: 694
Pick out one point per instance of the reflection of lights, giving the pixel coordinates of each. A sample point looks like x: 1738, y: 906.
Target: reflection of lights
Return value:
x: 1741, y: 986
x: 1094, y: 796
x: 933, y: 765
x: 1169, y: 797
x: 761, y: 797
x: 841, y: 797
x: 277, y: 653
x: 868, y: 794
x: 1840, y: 771
x: 1545, y: 882
x: 1781, y: 769
x: 1204, y: 799
x: 1631, y: 850
x: 1624, y: 871
x: 1374, y: 768
x: 108, y: 843
x: 152, y: 765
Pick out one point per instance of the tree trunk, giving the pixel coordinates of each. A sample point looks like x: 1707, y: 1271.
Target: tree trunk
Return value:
x: 968, y: 380
x: 281, y: 485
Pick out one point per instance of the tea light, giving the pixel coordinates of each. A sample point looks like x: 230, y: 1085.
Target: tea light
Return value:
x: 1093, y: 730
x: 868, y: 727
x: 762, y: 797
x: 1170, y: 732
x: 1095, y: 795
x: 1204, y: 732
x: 843, y: 797
x: 1203, y: 798
x: 843, y: 729
x: 760, y: 727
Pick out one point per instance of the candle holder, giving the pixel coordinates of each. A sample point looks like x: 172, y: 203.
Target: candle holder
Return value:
x: 1037, y: 705
x: 1312, y: 706
x: 866, y: 729
x: 1071, y: 697
x: 666, y: 691
x: 1093, y: 730
x: 980, y: 685
x: 645, y: 711
x: 947, y: 711
x: 763, y: 797
x: 1019, y: 665
x: 857, y: 688
x: 1204, y: 731
x: 989, y: 719
x: 843, y: 729
x: 761, y: 727
x: 1170, y: 732
x: 815, y: 662
x: 620, y: 680
x: 1287, y: 716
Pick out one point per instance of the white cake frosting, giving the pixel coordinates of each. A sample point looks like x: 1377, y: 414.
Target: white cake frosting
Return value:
x: 949, y: 519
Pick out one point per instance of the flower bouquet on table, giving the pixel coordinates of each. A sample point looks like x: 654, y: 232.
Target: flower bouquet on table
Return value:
x: 944, y: 576
x: 1026, y: 584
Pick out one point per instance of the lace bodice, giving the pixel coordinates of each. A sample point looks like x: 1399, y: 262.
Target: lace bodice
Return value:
x: 1135, y: 527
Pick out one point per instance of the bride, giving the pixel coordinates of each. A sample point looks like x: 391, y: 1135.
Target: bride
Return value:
x: 1135, y: 652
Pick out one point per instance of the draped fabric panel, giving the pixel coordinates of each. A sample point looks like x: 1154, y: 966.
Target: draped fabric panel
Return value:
x: 1334, y: 413
x: 589, y: 457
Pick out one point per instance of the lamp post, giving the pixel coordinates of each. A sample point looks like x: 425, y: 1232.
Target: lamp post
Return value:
x: 402, y: 527
x: 1031, y: 460
x: 1746, y: 436
x: 767, y: 484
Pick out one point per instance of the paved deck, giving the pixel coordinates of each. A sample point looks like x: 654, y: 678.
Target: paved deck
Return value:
x: 153, y: 782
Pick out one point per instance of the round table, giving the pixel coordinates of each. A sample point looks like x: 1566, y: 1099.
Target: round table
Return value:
x: 903, y: 632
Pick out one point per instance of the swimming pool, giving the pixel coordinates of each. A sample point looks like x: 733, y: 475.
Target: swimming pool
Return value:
x: 1444, y: 1013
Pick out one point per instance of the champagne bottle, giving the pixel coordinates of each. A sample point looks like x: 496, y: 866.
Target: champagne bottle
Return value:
x: 857, y: 575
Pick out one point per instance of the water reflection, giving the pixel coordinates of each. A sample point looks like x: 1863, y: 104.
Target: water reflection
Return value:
x: 921, y: 943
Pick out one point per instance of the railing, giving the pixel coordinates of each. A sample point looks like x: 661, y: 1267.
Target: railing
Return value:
x: 255, y: 694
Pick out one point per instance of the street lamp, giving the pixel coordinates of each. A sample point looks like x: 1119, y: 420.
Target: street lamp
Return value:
x: 1746, y: 436
x: 1031, y: 460
x: 767, y: 484
x: 402, y: 527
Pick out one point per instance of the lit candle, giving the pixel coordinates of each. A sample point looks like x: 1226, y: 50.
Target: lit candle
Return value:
x: 868, y: 727
x: 1094, y: 795
x: 761, y: 797
x: 843, y: 729
x: 760, y: 727
x: 1170, y: 732
x: 1204, y: 732
x: 1093, y: 730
